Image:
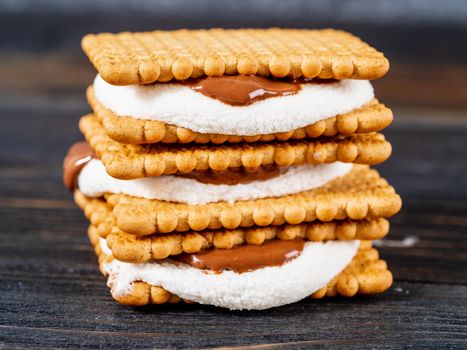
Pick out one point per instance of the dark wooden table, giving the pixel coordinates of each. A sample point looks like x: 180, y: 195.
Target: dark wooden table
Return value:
x: 52, y: 295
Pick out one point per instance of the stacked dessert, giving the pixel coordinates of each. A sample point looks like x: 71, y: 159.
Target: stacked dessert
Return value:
x: 231, y: 167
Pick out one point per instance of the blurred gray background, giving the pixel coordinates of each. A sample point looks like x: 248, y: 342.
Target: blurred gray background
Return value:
x: 426, y: 41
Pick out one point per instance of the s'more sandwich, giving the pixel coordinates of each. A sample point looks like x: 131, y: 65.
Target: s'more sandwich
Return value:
x: 231, y: 167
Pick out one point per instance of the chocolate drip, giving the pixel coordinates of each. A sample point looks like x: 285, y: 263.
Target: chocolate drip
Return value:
x: 242, y: 90
x: 236, y: 176
x: 246, y: 257
x: 77, y: 157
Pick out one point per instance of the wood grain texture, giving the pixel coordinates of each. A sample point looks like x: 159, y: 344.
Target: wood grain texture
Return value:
x: 52, y: 295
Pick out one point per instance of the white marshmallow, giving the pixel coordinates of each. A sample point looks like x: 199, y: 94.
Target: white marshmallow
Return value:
x: 93, y: 181
x: 179, y: 105
x: 256, y: 290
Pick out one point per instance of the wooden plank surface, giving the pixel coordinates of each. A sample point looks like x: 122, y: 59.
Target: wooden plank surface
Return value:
x: 52, y: 295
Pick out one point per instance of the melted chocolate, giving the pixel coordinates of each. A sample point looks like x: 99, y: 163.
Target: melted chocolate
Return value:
x: 246, y: 257
x: 242, y: 90
x: 77, y: 157
x: 317, y: 81
x: 235, y: 176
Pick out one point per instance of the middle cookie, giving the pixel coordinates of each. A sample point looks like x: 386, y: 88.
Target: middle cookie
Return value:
x: 134, y: 161
x: 200, y: 201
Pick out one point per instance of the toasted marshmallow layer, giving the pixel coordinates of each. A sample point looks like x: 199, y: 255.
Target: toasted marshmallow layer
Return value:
x: 94, y: 182
x: 179, y: 105
x: 256, y: 290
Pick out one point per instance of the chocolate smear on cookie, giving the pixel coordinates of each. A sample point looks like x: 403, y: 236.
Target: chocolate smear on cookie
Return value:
x: 246, y: 257
x: 77, y: 157
x: 235, y: 176
x: 242, y: 90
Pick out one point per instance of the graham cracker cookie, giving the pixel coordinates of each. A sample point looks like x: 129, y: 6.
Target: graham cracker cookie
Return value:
x: 360, y: 194
x: 371, y: 117
x: 97, y: 212
x: 134, y: 161
x: 161, y: 56
x: 130, y: 248
x: 366, y: 274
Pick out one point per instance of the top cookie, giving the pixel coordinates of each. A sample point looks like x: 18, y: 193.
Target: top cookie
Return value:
x: 142, y: 58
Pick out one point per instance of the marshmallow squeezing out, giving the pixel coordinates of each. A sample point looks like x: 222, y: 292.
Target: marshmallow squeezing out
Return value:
x: 259, y: 289
x: 93, y: 181
x: 179, y: 105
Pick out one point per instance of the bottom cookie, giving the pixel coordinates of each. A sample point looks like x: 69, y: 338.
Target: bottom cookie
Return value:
x: 333, y: 268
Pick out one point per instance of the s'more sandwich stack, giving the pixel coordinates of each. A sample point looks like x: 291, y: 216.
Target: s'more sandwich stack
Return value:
x: 231, y: 167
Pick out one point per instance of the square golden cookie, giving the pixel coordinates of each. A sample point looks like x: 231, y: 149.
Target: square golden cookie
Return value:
x: 142, y: 58
x: 135, y: 161
x: 360, y: 194
x: 366, y: 274
x: 371, y: 117
x: 130, y: 248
